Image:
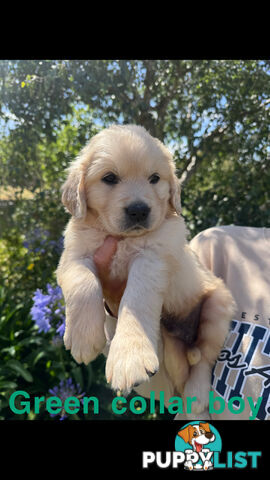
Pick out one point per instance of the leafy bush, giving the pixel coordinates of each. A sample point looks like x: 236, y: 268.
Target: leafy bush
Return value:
x: 214, y: 116
x: 33, y: 359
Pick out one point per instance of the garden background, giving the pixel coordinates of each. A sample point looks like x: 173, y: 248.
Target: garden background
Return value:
x: 214, y: 115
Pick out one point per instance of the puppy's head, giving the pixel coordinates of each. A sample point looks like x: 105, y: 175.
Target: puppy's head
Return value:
x: 197, y: 435
x: 124, y: 177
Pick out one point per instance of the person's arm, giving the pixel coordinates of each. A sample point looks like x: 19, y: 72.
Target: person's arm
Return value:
x: 112, y: 289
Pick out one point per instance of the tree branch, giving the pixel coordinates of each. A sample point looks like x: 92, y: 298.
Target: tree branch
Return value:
x: 199, y: 154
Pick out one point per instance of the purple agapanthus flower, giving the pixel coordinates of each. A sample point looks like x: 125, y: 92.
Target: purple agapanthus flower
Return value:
x: 39, y: 241
x: 40, y: 311
x: 48, y: 310
x: 66, y: 389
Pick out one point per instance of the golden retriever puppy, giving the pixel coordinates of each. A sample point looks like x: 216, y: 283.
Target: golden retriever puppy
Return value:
x: 123, y: 184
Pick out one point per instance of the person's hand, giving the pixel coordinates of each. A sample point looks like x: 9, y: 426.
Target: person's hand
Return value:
x: 112, y: 289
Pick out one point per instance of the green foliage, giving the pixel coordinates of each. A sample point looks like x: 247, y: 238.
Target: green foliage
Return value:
x: 35, y: 363
x: 213, y: 115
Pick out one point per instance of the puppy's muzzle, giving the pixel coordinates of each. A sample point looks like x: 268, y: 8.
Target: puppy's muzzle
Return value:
x: 137, y: 215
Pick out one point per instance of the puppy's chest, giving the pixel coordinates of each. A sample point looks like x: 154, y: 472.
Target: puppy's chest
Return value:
x: 126, y: 252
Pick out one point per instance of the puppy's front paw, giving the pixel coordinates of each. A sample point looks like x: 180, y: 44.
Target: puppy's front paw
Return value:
x: 208, y: 465
x: 131, y: 361
x: 85, y: 339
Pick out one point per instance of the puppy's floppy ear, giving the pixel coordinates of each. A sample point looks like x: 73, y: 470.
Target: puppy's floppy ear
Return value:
x: 205, y: 426
x: 186, y: 433
x: 73, y: 191
x: 175, y: 189
x: 175, y: 193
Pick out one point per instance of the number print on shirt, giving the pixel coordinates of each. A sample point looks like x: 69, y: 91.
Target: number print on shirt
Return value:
x: 236, y: 364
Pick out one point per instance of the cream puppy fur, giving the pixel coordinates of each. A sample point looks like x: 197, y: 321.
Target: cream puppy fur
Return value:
x: 123, y: 184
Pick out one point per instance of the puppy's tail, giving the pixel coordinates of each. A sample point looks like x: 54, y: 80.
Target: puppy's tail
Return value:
x: 193, y: 355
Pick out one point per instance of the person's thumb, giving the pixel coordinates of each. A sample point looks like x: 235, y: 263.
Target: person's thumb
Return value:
x: 103, y: 255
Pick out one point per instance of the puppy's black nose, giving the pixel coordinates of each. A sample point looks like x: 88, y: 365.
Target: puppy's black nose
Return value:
x: 137, y: 212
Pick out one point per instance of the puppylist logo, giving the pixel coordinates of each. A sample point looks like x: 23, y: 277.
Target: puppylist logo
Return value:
x: 198, y: 441
x: 197, y: 447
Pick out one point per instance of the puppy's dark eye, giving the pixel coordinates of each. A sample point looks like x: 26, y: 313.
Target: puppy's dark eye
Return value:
x: 110, y: 179
x: 154, y: 178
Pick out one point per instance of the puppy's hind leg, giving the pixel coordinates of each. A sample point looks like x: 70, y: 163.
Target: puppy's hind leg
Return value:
x: 175, y: 360
x: 216, y: 315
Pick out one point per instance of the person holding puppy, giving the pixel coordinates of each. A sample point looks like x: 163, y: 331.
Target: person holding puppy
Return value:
x: 240, y: 256
x: 123, y: 185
